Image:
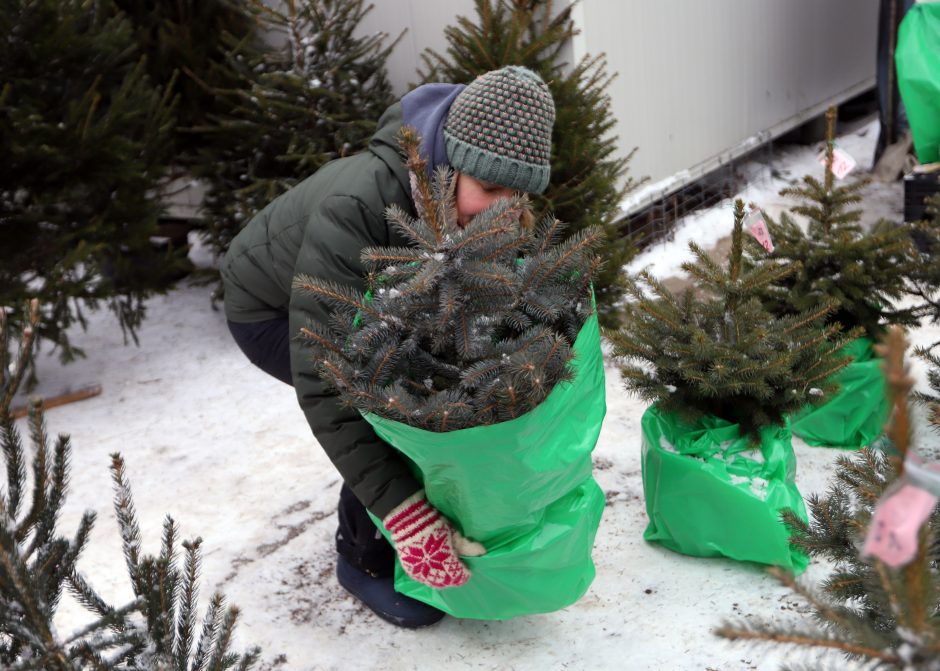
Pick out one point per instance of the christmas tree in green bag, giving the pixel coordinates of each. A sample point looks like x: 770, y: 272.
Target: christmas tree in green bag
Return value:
x: 723, y: 374
x: 863, y: 273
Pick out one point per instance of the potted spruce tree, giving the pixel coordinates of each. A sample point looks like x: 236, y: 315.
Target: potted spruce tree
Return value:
x: 476, y: 353
x: 864, y: 273
x: 723, y: 374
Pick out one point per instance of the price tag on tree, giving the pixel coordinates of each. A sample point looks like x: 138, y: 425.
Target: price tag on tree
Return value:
x: 842, y: 162
x: 756, y: 226
x: 901, y: 512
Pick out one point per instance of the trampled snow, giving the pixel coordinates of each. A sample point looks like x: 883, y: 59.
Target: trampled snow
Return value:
x: 225, y: 450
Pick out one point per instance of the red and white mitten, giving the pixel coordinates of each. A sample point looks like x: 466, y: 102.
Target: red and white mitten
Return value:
x: 428, y: 545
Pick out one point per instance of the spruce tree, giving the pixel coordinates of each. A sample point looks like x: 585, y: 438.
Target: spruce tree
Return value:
x: 466, y: 327
x: 155, y: 631
x: 877, y: 616
x: 187, y: 44
x: 316, y: 98
x: 864, y: 273
x: 715, y: 350
x: 83, y: 139
x: 588, y: 182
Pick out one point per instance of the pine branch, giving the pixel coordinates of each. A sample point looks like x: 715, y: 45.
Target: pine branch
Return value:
x: 127, y: 521
x: 207, y: 635
x: 335, y: 294
x: 378, y: 257
x: 322, y: 337
x: 806, y: 640
x: 415, y: 230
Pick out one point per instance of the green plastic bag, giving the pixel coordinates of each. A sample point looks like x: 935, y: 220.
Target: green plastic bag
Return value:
x: 710, y: 493
x: 918, y: 65
x: 524, y: 489
x: 855, y: 416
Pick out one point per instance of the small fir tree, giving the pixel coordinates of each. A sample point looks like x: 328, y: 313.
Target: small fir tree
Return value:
x: 315, y: 99
x: 863, y: 273
x: 156, y: 631
x: 83, y: 136
x: 723, y: 353
x: 468, y: 326
x: 877, y: 616
x: 188, y: 44
x: 588, y: 181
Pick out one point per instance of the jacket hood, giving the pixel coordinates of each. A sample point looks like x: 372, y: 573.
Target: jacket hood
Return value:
x: 425, y: 108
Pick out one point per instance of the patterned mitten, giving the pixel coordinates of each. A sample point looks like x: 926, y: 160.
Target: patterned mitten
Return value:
x: 428, y: 545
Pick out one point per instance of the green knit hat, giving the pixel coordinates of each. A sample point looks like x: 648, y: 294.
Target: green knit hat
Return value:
x: 499, y: 129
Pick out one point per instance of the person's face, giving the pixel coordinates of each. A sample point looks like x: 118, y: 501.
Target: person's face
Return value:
x: 474, y: 196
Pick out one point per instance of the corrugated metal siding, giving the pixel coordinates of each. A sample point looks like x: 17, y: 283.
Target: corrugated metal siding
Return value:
x: 698, y: 81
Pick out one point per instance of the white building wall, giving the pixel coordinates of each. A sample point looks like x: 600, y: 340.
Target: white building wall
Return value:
x: 699, y: 81
x: 425, y: 21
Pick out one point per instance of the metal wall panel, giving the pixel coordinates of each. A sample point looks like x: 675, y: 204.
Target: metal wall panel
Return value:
x: 699, y: 81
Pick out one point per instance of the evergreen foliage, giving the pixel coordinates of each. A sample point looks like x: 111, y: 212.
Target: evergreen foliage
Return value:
x: 877, y: 616
x: 156, y: 631
x: 468, y: 326
x: 83, y: 139
x: 925, y: 280
x: 722, y: 353
x: 187, y: 45
x: 925, y: 285
x: 316, y: 98
x: 864, y: 273
x: 588, y: 181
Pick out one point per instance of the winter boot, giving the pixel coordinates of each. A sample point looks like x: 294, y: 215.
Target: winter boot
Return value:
x: 379, y: 595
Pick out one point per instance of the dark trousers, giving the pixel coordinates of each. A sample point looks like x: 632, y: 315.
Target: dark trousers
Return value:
x: 267, y: 345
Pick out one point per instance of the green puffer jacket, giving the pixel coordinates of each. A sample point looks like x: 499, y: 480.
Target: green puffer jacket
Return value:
x: 318, y: 228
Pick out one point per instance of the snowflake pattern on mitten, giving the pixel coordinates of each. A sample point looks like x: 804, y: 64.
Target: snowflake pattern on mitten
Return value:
x: 433, y: 562
x: 424, y: 540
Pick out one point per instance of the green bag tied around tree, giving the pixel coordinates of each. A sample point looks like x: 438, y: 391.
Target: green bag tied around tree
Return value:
x: 855, y: 416
x: 524, y: 489
x: 917, y: 58
x: 711, y: 493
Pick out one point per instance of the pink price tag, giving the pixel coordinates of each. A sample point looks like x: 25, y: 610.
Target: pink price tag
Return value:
x: 842, y: 162
x: 892, y: 534
x: 756, y: 227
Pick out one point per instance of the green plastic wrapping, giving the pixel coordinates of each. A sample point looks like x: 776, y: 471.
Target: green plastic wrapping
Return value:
x: 855, y: 416
x: 711, y: 493
x: 917, y: 58
x: 524, y: 488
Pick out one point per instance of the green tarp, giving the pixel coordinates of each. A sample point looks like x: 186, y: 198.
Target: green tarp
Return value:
x: 855, y: 416
x: 917, y: 58
x: 711, y: 493
x: 524, y: 489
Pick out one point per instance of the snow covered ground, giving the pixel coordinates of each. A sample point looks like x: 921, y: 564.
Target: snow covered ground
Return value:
x: 225, y: 450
